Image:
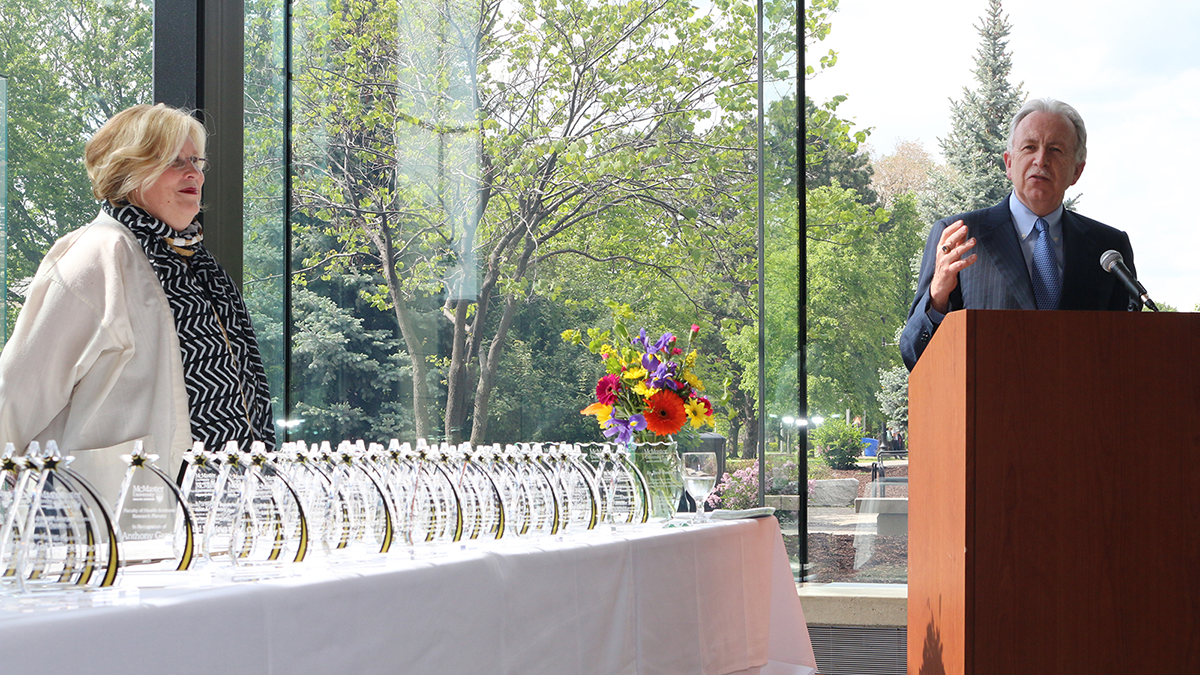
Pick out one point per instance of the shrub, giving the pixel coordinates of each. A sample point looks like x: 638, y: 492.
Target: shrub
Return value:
x: 838, y: 443
x: 738, y: 490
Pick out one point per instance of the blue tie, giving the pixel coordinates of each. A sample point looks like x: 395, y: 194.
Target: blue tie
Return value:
x: 1045, y: 269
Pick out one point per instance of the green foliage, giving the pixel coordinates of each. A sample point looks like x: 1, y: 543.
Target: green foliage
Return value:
x: 70, y: 66
x: 893, y: 398
x: 839, y: 444
x: 979, y: 126
x: 475, y: 157
x: 858, y: 298
x: 836, y: 164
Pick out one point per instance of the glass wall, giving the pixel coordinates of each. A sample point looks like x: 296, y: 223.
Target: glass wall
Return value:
x: 264, y: 233
x: 860, y: 247
x: 468, y: 181
x: 435, y: 192
x: 70, y: 66
x: 3, y: 200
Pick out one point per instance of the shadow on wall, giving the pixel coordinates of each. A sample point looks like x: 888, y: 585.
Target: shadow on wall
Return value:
x: 931, y: 655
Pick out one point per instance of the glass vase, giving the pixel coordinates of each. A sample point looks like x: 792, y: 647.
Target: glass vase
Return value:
x: 658, y: 462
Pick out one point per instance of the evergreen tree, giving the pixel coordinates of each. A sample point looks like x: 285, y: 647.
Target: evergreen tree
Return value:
x: 849, y: 166
x: 979, y: 128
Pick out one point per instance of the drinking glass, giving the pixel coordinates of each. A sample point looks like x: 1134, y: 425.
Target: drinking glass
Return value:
x: 699, y: 476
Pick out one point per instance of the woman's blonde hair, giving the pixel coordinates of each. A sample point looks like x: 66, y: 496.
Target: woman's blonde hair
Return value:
x: 134, y: 148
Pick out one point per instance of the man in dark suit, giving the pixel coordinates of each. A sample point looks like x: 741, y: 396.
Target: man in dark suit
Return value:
x: 1027, y: 252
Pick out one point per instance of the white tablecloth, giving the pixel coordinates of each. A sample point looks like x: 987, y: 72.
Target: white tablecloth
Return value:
x: 707, y: 600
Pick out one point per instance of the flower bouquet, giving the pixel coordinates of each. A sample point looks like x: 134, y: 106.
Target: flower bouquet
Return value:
x: 649, y: 392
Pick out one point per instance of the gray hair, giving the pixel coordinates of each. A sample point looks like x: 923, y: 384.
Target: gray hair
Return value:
x: 1049, y: 105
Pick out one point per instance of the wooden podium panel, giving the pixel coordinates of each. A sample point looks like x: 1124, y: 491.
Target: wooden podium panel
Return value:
x: 1054, y: 491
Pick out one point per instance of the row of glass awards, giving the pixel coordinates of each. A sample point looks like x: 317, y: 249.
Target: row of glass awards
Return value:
x: 262, y: 508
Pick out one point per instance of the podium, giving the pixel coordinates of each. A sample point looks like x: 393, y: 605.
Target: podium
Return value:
x: 1054, y: 495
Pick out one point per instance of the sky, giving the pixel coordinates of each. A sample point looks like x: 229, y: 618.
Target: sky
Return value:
x: 1131, y: 69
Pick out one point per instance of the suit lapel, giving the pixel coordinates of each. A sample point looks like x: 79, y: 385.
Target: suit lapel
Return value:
x: 1085, y: 284
x: 999, y: 239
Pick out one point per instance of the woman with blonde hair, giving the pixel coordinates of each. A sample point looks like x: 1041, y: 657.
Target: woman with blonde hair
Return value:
x: 131, y: 330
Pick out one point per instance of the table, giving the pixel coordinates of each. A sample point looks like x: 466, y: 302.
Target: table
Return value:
x: 706, y: 600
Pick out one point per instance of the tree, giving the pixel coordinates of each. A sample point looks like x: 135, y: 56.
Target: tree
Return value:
x: 70, y: 66
x: 979, y: 123
x: 893, y: 398
x: 581, y: 129
x: 858, y: 298
x: 905, y: 170
x: 847, y: 165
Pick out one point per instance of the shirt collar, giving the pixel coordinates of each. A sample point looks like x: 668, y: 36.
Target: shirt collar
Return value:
x: 1024, y: 219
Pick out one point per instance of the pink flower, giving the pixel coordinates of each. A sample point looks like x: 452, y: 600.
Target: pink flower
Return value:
x: 606, y: 389
x: 695, y: 329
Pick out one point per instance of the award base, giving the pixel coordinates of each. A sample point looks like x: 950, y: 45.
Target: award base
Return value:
x: 70, y: 597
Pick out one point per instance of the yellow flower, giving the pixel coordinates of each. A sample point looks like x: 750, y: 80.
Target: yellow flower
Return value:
x: 602, y: 412
x: 690, y: 378
x: 644, y: 391
x: 697, y: 412
x: 635, y: 373
x: 690, y: 360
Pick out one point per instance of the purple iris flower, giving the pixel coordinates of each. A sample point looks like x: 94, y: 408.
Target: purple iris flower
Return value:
x: 623, y: 429
x: 642, y: 341
x: 661, y: 345
x: 663, y: 376
x: 650, y: 362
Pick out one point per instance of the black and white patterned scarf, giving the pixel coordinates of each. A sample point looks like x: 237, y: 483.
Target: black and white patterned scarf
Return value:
x: 228, y: 398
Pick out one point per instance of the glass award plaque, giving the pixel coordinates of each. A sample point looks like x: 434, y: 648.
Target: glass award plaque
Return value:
x: 226, y: 506
x: 400, y: 474
x: 152, y: 515
x: 388, y: 467
x: 372, y: 527
x: 15, y: 495
x: 277, y: 501
x: 544, y: 508
x: 623, y: 494
x: 436, y: 507
x: 339, y: 522
x: 68, y: 539
x: 512, y: 490
x: 576, y: 487
x: 313, y: 486
x: 254, y: 519
x: 201, y: 469
x: 483, y: 506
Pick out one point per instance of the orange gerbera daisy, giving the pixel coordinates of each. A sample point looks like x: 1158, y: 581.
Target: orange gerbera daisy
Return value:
x: 665, y: 414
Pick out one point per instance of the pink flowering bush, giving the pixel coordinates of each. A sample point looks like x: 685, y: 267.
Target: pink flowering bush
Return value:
x: 739, y: 490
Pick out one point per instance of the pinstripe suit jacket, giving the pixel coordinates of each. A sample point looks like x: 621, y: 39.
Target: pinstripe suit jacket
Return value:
x: 999, y: 278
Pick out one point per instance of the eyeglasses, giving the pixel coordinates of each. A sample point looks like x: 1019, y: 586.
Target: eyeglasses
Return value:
x: 181, y: 163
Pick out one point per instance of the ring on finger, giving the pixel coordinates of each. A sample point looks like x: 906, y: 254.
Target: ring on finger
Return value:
x: 945, y: 248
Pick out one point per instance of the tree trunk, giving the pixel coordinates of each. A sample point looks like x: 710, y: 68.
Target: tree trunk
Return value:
x: 456, y: 374
x: 487, y: 369
x: 412, y: 341
x: 747, y: 412
x: 735, y: 431
x: 487, y: 372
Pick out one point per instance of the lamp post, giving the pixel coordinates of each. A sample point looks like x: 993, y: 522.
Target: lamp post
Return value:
x: 788, y: 423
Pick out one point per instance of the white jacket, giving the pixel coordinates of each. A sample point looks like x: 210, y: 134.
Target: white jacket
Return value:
x: 94, y: 359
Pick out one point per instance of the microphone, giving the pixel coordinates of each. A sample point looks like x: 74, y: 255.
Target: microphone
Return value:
x: 1114, y: 263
